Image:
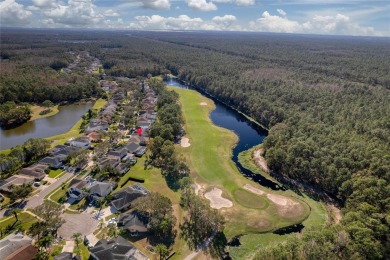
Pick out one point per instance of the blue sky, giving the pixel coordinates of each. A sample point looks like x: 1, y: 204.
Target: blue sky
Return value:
x: 336, y: 17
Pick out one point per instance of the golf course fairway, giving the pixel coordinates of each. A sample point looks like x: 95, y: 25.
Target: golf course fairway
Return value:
x: 246, y: 206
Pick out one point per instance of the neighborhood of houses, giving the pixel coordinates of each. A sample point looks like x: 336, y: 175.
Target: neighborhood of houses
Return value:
x: 121, y: 155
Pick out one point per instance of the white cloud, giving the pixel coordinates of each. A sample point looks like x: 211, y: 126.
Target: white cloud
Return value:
x: 245, y: 2
x: 77, y: 13
x: 319, y: 24
x: 12, y: 13
x: 184, y: 22
x: 156, y: 4
x: 43, y: 3
x: 225, y: 20
x: 157, y: 22
x: 201, y: 5
x: 281, y: 12
x: 110, y: 12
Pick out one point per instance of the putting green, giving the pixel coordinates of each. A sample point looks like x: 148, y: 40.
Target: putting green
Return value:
x: 250, y: 200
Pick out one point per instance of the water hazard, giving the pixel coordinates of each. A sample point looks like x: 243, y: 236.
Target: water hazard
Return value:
x: 44, y: 127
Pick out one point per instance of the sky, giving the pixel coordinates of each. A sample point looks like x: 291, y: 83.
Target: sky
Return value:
x: 333, y: 17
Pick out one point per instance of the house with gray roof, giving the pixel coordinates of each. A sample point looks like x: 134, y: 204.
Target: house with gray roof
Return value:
x: 75, y: 190
x: 54, y: 162
x: 134, y: 223
x: 99, y: 190
x: 122, y: 199
x: 13, y: 243
x: 116, y: 249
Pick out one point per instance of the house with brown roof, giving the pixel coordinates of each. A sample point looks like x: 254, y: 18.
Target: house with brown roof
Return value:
x: 37, y: 171
x: 16, y: 180
x: 17, y: 246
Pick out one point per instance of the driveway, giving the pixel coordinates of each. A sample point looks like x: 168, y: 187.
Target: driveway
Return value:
x: 83, y: 223
x: 37, y: 200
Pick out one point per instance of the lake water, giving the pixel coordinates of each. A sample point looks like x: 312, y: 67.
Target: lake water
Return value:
x: 249, y: 134
x: 44, y: 127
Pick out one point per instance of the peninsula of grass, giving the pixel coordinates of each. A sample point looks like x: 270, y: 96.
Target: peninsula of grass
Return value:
x: 209, y: 158
x: 36, y: 110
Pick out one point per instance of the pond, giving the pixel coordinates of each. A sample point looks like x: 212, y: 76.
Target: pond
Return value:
x: 249, y: 134
x: 44, y: 127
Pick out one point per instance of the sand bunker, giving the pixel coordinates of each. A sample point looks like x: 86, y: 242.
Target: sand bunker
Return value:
x: 260, y: 160
x: 286, y: 206
x: 203, y: 104
x: 253, y: 189
x: 185, y: 142
x: 216, y: 199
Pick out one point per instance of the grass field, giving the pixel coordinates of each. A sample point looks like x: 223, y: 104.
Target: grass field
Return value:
x: 37, y: 109
x: 24, y: 223
x: 209, y: 160
x: 55, y: 173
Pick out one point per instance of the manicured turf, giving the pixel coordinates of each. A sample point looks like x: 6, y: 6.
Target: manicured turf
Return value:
x: 209, y: 158
x: 55, y: 173
x: 249, y: 199
x: 24, y: 223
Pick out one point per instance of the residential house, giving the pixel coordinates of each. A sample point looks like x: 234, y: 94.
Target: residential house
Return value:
x: 97, y: 125
x: 81, y: 142
x: 134, y: 223
x: 113, y: 161
x: 116, y: 249
x: 16, y: 243
x: 37, y: 171
x: 123, y: 168
x: 62, y: 150
x: 121, y: 153
x: 65, y: 256
x: 26, y: 252
x: 122, y: 199
x: 75, y: 190
x: 95, y: 137
x: 99, y: 190
x: 16, y: 180
x: 132, y: 147
x: 140, y: 151
x: 54, y: 162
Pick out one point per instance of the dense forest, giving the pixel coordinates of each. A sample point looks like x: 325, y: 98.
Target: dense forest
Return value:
x: 325, y: 101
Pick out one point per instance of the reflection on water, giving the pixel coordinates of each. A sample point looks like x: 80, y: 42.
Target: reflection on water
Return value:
x: 44, y: 127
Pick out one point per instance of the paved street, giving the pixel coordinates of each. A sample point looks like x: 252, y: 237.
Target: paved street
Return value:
x: 37, y: 200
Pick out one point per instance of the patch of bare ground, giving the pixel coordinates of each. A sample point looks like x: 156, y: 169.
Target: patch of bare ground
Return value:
x: 334, y: 214
x: 260, y: 160
x: 198, y: 189
x: 286, y: 207
x: 267, y: 73
x: 185, y: 142
x: 216, y: 199
x: 203, y: 104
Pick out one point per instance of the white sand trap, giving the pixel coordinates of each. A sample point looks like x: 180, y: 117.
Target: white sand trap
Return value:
x: 203, y: 104
x: 185, y: 142
x: 253, y: 189
x: 216, y: 199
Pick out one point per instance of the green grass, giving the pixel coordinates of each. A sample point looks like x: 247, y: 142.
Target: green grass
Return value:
x: 209, y: 158
x: 249, y: 199
x: 55, y: 173
x: 57, y: 249
x: 57, y: 194
x: 24, y: 223
x: 84, y: 252
x: 37, y: 109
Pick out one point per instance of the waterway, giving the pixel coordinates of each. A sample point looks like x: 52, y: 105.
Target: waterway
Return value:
x: 44, y: 127
x: 248, y: 132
